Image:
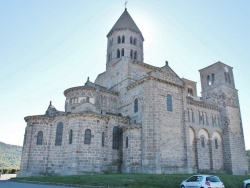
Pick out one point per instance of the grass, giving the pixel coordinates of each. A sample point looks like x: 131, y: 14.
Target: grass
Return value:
x: 132, y: 180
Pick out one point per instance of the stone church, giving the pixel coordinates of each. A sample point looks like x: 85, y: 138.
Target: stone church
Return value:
x: 138, y: 118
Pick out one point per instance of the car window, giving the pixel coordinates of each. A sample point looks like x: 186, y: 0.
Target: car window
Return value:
x: 195, y: 179
x: 213, y: 179
x: 199, y: 178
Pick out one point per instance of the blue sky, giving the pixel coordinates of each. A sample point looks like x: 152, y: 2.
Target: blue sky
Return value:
x: 48, y: 46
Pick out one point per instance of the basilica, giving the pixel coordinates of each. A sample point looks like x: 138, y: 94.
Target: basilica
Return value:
x: 139, y: 118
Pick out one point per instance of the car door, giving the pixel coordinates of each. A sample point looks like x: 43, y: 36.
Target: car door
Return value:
x: 192, y: 182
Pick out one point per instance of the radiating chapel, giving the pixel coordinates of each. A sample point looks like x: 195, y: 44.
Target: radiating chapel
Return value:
x: 139, y: 118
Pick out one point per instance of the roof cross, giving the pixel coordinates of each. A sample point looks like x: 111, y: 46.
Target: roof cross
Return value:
x: 125, y: 4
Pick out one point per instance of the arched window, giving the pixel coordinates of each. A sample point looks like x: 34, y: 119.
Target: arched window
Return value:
x: 25, y: 137
x: 135, y: 105
x: 131, y: 40
x: 122, y: 52
x: 111, y: 42
x: 108, y: 57
x: 102, y: 139
x: 101, y: 100
x: 87, y: 136
x: 218, y: 120
x: 213, y: 120
x: 118, y: 53
x: 116, y: 137
x: 190, y: 92
x: 135, y: 55
x: 104, y: 101
x: 188, y: 111
x: 213, y: 78
x: 135, y: 41
x: 131, y: 54
x: 123, y: 39
x: 126, y: 142
x: 169, y: 103
x: 119, y: 40
x: 193, y: 120
x: 206, y: 118
x: 199, y: 116
x: 75, y: 100
x: 229, y: 80
x: 216, y: 143
x: 225, y: 76
x: 202, y: 142
x: 208, y: 80
x: 59, y: 134
x: 70, y: 136
x: 39, y: 140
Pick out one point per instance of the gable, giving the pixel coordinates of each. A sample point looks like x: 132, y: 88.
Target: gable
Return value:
x: 168, y: 74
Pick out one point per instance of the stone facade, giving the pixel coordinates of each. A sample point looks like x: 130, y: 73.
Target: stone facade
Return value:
x: 138, y: 118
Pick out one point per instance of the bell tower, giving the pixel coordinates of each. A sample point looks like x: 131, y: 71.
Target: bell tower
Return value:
x: 124, y: 40
x: 218, y: 89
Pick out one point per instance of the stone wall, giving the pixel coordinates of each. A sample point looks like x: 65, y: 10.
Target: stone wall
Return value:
x: 71, y: 158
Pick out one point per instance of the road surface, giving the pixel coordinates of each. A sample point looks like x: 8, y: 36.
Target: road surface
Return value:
x: 5, y: 183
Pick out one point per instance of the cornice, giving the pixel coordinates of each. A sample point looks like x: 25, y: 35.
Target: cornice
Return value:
x: 75, y: 115
x: 139, y: 82
x: 127, y: 127
x: 89, y: 88
x: 201, y: 104
x: 37, y: 117
x: 77, y: 88
x: 87, y: 114
x: 109, y: 91
x: 120, y: 119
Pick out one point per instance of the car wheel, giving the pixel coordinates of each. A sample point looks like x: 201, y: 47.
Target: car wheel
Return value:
x: 248, y: 186
x: 182, y: 186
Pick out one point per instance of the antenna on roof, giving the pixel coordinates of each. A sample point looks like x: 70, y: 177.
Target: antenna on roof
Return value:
x: 125, y: 4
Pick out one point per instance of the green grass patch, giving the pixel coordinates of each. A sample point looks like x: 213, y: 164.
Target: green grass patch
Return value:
x: 132, y: 180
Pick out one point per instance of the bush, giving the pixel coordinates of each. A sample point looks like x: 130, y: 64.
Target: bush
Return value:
x: 9, y: 170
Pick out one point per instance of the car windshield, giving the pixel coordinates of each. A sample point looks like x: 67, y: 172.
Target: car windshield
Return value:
x: 213, y: 179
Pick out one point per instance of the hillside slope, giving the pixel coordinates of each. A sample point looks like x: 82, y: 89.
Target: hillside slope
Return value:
x: 10, y: 155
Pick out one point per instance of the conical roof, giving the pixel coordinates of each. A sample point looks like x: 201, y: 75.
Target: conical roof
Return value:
x: 125, y: 21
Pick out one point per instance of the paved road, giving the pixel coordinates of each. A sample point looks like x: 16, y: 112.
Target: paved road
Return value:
x: 10, y: 184
x: 5, y: 183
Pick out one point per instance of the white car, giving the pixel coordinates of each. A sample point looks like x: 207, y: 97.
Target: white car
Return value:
x: 246, y: 183
x: 202, y: 181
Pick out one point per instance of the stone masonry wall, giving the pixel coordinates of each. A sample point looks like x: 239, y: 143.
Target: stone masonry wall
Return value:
x: 131, y: 150
x: 169, y: 126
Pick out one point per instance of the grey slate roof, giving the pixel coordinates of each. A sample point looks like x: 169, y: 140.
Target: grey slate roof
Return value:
x: 125, y: 22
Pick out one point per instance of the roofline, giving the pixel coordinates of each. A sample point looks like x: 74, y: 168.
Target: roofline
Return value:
x: 89, y: 87
x: 125, y: 28
x: 214, y: 64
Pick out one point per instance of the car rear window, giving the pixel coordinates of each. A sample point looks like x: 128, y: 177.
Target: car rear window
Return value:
x: 213, y: 179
